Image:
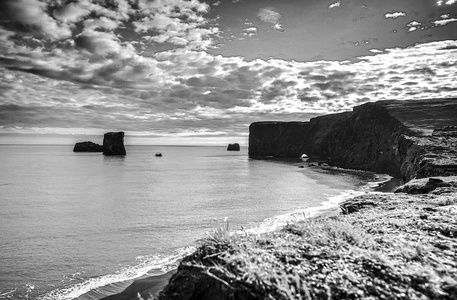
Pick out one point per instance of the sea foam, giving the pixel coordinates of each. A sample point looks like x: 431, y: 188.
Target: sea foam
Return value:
x: 146, y: 264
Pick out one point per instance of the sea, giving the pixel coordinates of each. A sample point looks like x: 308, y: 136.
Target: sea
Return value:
x: 84, y: 225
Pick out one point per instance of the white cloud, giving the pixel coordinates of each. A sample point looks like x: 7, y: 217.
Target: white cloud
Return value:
x: 413, y: 25
x: 270, y: 15
x: 333, y: 5
x: 448, y: 2
x: 32, y: 13
x: 444, y: 22
x: 176, y: 21
x: 395, y: 14
x: 250, y: 31
x: 187, y: 88
x: 72, y: 13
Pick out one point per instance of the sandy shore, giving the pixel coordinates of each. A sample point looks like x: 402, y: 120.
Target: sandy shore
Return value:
x: 146, y: 287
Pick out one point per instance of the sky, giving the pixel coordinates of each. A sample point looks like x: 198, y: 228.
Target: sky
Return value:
x: 198, y: 72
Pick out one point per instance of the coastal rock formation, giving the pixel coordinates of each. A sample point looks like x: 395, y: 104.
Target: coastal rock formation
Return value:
x: 276, y: 139
x: 393, y: 137
x: 113, y: 143
x: 438, y: 185
x: 87, y: 147
x: 233, y: 147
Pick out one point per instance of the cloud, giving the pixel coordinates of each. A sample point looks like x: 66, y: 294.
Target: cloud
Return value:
x: 448, y: 2
x: 250, y: 31
x: 72, y: 12
x: 413, y: 25
x: 32, y: 16
x: 176, y: 21
x: 270, y: 15
x: 99, y: 77
x: 395, y: 14
x: 443, y: 22
x: 334, y: 5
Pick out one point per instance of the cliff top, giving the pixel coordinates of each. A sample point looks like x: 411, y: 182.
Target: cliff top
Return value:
x: 421, y: 116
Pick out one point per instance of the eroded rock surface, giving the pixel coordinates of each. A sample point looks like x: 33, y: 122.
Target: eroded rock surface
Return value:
x: 113, y: 143
x: 393, y: 137
x: 87, y: 147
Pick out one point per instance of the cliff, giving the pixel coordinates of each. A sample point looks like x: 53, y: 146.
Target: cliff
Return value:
x: 394, y: 137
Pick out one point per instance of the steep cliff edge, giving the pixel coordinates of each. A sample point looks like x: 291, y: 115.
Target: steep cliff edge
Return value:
x: 394, y: 137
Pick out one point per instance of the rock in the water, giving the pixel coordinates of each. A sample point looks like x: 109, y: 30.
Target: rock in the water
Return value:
x: 87, y: 147
x: 233, y: 147
x: 113, y: 143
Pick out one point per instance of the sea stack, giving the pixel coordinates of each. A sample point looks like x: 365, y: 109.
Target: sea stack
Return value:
x: 233, y: 147
x: 113, y: 143
x: 87, y: 147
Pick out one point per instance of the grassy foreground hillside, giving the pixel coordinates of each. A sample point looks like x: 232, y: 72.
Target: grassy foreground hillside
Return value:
x: 382, y: 246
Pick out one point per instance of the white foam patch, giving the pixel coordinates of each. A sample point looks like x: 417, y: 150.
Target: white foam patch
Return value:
x: 146, y: 263
x: 277, y: 222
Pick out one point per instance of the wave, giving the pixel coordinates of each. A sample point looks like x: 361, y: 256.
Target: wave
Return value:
x: 146, y: 264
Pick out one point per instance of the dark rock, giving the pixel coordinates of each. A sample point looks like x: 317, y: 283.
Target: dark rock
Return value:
x: 439, y: 185
x: 233, y: 147
x: 159, y: 154
x: 276, y: 139
x: 113, y: 143
x: 392, y: 137
x: 355, y: 204
x: 87, y: 147
x: 301, y: 167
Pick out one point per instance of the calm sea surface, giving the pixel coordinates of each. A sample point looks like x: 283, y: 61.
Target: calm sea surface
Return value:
x: 74, y: 222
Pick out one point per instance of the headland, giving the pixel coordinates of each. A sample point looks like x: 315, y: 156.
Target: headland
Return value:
x: 378, y: 246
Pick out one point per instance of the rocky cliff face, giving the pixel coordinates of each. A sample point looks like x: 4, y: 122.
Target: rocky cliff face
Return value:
x: 393, y: 137
x: 113, y: 143
x: 276, y: 139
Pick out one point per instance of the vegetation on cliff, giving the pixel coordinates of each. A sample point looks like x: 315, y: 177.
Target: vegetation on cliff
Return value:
x: 383, y: 246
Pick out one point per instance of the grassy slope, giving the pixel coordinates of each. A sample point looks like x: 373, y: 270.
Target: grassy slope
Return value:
x: 386, y: 246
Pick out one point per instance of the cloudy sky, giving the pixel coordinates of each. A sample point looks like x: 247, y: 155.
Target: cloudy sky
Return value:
x: 200, y: 71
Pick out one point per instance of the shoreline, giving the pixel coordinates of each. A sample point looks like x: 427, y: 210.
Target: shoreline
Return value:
x: 385, y: 245
x: 149, y: 287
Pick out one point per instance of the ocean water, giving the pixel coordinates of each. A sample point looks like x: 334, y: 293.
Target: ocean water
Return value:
x: 74, y: 223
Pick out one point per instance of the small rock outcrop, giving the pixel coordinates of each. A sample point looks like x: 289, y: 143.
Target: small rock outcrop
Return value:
x: 428, y: 185
x: 233, y: 147
x: 113, y: 143
x: 87, y: 147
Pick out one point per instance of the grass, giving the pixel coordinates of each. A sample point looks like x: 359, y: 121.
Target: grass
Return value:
x: 397, y: 247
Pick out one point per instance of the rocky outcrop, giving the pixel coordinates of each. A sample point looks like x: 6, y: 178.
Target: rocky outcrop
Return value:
x: 87, y: 147
x: 438, y: 185
x: 276, y: 139
x: 113, y: 143
x: 233, y: 147
x: 393, y: 137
